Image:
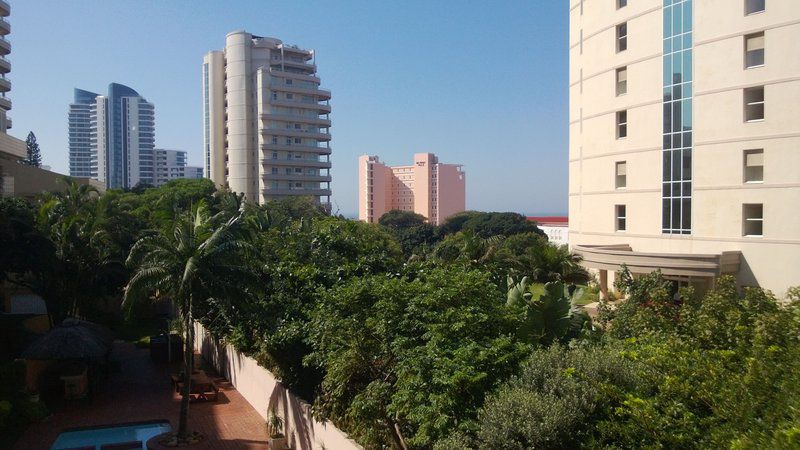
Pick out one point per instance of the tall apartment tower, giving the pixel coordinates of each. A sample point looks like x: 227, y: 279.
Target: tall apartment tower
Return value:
x: 5, y: 66
x: 171, y: 165
x: 266, y: 120
x: 684, y: 139
x: 111, y: 138
x: 427, y: 187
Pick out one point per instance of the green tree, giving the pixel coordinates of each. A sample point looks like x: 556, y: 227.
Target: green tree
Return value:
x: 408, y: 358
x: 192, y: 264
x: 411, y: 230
x: 401, y: 219
x: 548, y: 317
x: 34, y: 154
x: 487, y: 224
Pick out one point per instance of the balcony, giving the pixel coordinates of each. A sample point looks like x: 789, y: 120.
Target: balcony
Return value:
x: 297, y: 191
x: 5, y: 103
x: 299, y: 64
x: 5, y: 46
x: 296, y: 133
x: 5, y: 85
x: 297, y: 148
x: 5, y: 8
x: 296, y: 76
x: 5, y: 27
x: 297, y: 177
x: 301, y: 119
x: 323, y: 94
x: 322, y: 107
x: 296, y: 163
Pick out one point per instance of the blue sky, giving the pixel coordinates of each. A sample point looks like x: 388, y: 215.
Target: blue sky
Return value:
x: 481, y: 83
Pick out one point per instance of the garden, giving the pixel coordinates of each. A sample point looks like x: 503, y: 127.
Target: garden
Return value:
x: 412, y: 336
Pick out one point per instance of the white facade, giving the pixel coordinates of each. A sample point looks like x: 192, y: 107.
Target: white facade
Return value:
x: 171, y: 165
x: 558, y: 235
x: 684, y: 139
x: 111, y: 138
x: 266, y: 124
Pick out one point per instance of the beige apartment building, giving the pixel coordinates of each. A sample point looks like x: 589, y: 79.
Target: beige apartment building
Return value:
x: 427, y: 187
x: 266, y: 120
x: 19, y: 180
x: 684, y: 150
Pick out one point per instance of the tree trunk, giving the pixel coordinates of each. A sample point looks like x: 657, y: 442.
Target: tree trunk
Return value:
x: 397, y: 435
x: 188, y: 368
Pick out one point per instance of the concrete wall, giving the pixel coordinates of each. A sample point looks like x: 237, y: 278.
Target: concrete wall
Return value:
x: 264, y: 392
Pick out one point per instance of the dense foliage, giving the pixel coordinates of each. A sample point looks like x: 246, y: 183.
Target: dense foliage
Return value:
x: 410, y: 335
x: 713, y: 372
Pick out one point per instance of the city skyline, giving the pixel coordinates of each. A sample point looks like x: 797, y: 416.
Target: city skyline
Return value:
x: 455, y: 83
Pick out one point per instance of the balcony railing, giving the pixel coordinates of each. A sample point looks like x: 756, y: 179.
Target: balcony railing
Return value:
x: 298, y: 148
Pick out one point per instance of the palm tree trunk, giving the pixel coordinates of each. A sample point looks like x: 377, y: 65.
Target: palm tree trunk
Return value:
x: 188, y: 363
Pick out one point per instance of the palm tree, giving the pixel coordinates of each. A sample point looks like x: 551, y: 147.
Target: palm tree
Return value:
x: 200, y: 261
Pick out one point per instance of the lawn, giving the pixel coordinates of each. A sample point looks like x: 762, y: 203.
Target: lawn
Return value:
x: 139, y: 331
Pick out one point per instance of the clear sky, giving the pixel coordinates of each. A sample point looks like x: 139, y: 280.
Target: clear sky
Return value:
x: 481, y: 83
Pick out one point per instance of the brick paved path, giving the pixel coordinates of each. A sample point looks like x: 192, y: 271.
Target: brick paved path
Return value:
x: 142, y: 391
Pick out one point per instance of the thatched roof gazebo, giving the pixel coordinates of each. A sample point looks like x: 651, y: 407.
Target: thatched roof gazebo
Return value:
x: 69, y: 341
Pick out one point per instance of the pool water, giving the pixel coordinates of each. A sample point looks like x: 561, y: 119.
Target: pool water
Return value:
x: 97, y: 437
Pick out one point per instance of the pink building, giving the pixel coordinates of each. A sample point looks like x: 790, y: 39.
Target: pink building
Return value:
x: 427, y: 187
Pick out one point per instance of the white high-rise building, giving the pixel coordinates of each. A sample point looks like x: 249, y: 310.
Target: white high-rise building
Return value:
x: 684, y: 150
x: 266, y: 120
x: 171, y: 165
x: 111, y: 138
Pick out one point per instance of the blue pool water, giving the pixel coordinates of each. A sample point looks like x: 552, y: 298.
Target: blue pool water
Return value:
x: 110, y: 435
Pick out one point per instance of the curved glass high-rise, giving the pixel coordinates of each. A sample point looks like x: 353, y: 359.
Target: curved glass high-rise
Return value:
x: 111, y: 138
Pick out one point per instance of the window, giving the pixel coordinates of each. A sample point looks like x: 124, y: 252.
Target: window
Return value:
x: 753, y: 223
x: 274, y: 95
x: 754, y: 104
x: 754, y: 50
x: 753, y: 166
x: 274, y: 139
x: 289, y: 81
x: 621, y: 179
x: 622, y: 80
x: 621, y: 217
x: 622, y: 3
x: 622, y: 124
x: 298, y: 140
x: 622, y: 37
x: 754, y: 6
x: 290, y: 96
x: 274, y: 155
x: 275, y: 170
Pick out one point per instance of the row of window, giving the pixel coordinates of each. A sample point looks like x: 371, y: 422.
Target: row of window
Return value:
x: 753, y: 104
x: 752, y: 219
x: 752, y: 169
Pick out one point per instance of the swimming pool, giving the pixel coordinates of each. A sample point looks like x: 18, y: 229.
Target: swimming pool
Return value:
x: 104, y: 437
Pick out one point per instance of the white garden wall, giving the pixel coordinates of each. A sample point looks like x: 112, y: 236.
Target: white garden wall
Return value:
x: 263, y: 391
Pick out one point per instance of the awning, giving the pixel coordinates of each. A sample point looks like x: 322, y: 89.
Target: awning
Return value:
x: 612, y: 257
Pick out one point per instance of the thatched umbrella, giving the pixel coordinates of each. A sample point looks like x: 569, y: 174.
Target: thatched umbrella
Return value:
x: 68, y: 342
x: 103, y: 333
